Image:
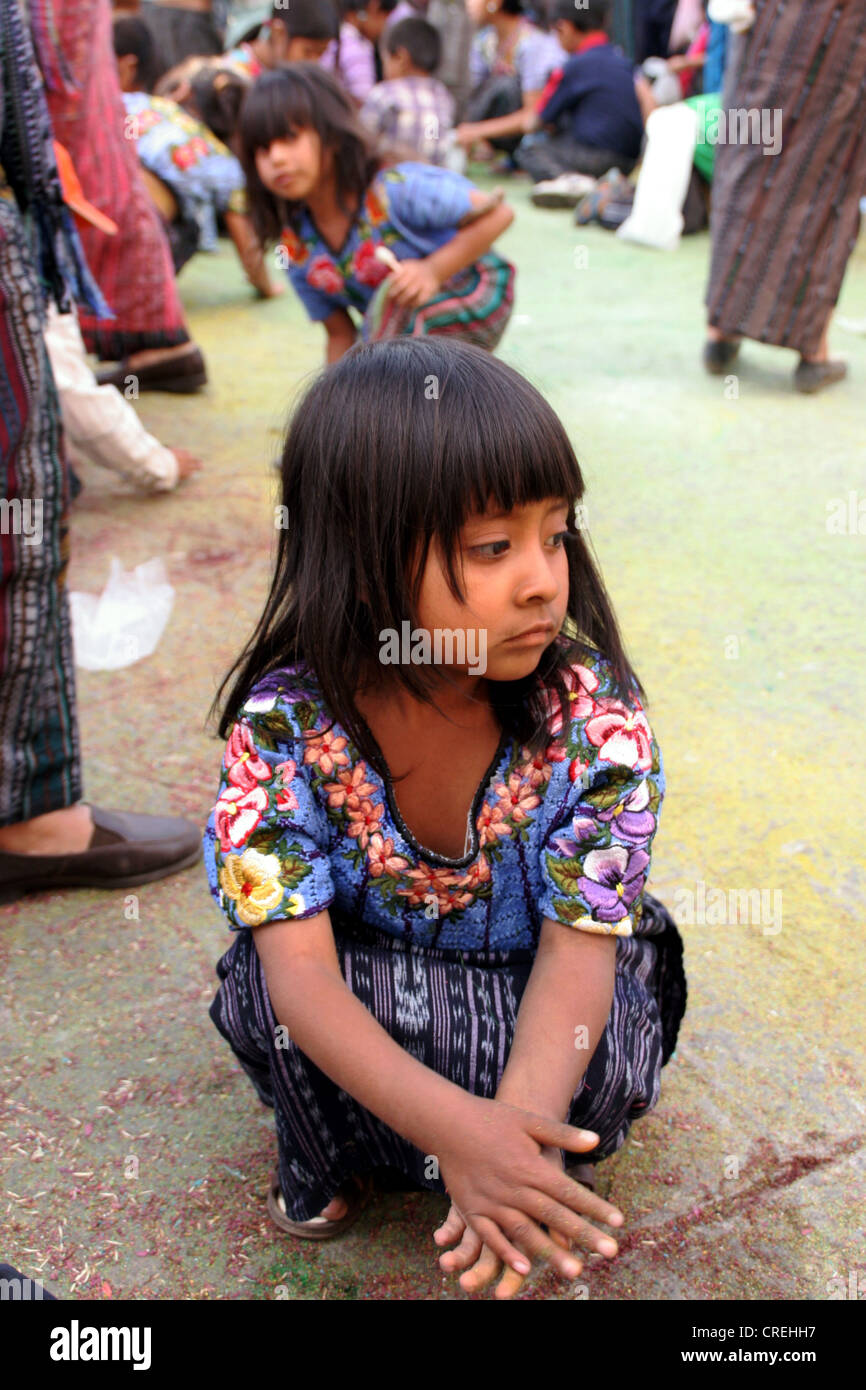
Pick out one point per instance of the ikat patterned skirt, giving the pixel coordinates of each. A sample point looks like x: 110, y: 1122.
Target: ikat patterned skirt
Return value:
x: 456, y: 1012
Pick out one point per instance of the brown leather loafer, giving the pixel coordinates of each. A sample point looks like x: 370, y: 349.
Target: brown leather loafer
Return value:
x: 182, y: 374
x: 125, y: 850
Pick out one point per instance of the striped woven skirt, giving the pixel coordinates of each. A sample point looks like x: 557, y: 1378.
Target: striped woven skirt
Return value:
x: 784, y: 224
x: 456, y: 1012
x: 40, y: 766
x: 474, y: 306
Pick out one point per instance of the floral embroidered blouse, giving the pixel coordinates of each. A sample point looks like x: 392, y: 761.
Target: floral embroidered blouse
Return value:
x: 304, y: 823
x: 411, y: 208
x: 204, y: 175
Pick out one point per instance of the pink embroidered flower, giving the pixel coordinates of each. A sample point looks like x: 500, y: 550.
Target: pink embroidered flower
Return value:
x: 621, y: 736
x: 516, y: 799
x: 350, y: 788
x: 535, y: 770
x: 428, y: 883
x: 183, y: 157
x: 580, y: 683
x: 327, y: 752
x: 286, y: 799
x: 366, y: 820
x: 477, y: 874
x: 365, y: 266
x: 237, y: 814
x: 245, y: 769
x: 491, y: 824
x: 555, y: 753
x: 323, y: 275
x: 577, y: 770
x: 382, y: 859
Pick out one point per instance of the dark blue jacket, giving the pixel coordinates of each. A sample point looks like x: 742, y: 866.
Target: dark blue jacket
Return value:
x: 595, y: 102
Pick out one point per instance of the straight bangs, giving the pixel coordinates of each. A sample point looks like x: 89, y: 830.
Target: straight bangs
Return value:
x: 287, y: 99
x: 388, y: 454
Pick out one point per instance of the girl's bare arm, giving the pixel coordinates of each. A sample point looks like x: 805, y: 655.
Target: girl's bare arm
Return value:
x: 470, y: 242
x: 334, y: 1029
x: 562, y: 1016
x: 250, y: 253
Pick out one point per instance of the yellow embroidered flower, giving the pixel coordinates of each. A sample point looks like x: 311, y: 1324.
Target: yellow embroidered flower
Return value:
x: 251, y: 880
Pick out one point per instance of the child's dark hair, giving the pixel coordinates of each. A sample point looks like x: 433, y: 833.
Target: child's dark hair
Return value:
x: 218, y: 95
x: 299, y: 96
x: 420, y: 40
x: 592, y: 14
x: 308, y: 19
x: 372, y: 473
x: 132, y: 36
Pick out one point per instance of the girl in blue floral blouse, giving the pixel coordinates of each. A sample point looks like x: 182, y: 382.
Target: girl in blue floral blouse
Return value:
x: 432, y: 833
x: 319, y: 187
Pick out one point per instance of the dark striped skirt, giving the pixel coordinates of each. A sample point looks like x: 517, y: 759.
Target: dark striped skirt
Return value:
x: 456, y: 1013
x: 474, y: 306
x: 784, y: 225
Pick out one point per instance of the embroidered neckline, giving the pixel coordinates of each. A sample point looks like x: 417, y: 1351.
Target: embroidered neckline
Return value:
x: 431, y: 854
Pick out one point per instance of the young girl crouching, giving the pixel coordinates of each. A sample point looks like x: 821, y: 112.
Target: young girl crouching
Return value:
x: 446, y: 963
x: 318, y: 185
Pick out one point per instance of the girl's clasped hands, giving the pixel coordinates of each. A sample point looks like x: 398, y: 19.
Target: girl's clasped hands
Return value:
x: 503, y: 1171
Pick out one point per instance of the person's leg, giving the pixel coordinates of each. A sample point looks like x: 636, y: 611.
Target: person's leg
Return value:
x: 40, y: 770
x: 554, y: 155
x: 499, y: 96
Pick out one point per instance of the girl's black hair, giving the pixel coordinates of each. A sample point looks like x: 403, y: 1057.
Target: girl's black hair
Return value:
x: 373, y: 470
x: 218, y: 95
x: 132, y: 36
x: 300, y: 96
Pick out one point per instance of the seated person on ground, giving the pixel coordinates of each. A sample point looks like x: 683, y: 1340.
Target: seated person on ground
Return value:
x: 509, y: 63
x: 591, y: 108
x: 411, y: 106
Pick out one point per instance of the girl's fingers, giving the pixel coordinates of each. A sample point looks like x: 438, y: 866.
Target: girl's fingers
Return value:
x: 564, y: 1221
x: 487, y: 1268
x: 539, y: 1245
x: 578, y: 1198
x: 493, y: 1237
x: 510, y: 1284
x: 452, y: 1228
x: 465, y: 1255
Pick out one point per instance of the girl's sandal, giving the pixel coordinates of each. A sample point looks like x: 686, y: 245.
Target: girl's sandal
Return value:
x: 319, y: 1227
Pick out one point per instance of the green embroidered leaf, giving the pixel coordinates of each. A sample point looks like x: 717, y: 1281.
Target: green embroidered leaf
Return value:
x: 565, y: 872
x: 567, y: 910
x: 305, y: 713
x: 263, y: 840
x: 604, y: 798
x: 273, y: 728
x: 295, y: 870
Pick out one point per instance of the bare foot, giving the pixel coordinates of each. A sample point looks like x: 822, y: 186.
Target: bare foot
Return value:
x: 67, y: 831
x: 335, y: 1210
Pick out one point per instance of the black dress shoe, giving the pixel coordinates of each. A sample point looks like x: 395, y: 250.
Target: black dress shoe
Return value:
x: 182, y: 374
x: 125, y: 849
x: 810, y: 377
x: 718, y: 356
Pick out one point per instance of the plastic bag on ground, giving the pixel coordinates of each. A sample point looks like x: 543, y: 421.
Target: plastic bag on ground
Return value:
x: 125, y: 622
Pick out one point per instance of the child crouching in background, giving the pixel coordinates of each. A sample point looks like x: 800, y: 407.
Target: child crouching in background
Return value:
x: 318, y: 183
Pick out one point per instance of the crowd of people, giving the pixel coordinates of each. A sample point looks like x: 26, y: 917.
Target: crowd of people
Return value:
x: 330, y: 141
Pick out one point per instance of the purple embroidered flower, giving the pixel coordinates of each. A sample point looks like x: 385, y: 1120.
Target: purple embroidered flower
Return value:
x: 270, y: 687
x: 630, y: 820
x: 613, y: 879
x: 583, y: 827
